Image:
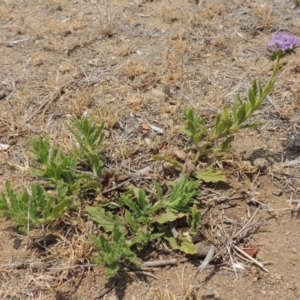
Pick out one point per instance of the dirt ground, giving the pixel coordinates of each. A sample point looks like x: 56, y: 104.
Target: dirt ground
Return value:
x: 135, y: 63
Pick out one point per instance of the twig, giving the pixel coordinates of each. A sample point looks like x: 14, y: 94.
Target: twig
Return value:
x: 206, y: 261
x: 108, y: 289
x: 116, y: 187
x: 204, y: 264
x: 15, y: 43
x: 48, y: 100
x: 250, y: 257
x: 241, y: 231
x: 73, y: 267
x: 160, y: 263
x: 146, y: 274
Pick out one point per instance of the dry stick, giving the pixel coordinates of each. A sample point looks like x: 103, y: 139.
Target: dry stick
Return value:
x: 250, y: 257
x: 56, y: 95
x: 73, y: 267
x: 204, y: 264
x: 48, y: 100
x: 15, y: 42
x: 140, y: 270
x: 108, y: 289
x: 116, y: 187
x: 160, y: 263
x: 241, y: 256
x: 146, y: 274
x: 240, y: 231
x: 232, y: 263
x: 41, y: 106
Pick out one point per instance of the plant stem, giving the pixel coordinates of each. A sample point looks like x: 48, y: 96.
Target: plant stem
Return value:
x: 269, y: 84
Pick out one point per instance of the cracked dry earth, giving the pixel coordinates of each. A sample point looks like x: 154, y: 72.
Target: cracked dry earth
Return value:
x: 131, y: 63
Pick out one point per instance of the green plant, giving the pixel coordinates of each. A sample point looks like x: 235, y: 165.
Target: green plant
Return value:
x: 139, y: 221
x: 53, y: 166
x: 227, y: 123
x: 205, y: 135
x: 90, y: 139
x: 35, y: 206
x: 59, y: 173
x: 112, y: 252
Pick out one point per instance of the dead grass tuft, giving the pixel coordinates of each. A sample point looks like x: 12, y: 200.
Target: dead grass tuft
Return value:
x: 164, y: 295
x: 265, y: 16
x: 169, y: 15
x: 133, y: 67
x: 56, y: 5
x: 106, y: 29
x: 80, y: 101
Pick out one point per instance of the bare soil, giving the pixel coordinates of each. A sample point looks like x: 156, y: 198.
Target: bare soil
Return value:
x: 135, y: 63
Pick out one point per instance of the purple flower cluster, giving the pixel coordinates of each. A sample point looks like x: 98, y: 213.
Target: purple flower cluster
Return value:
x: 284, y: 42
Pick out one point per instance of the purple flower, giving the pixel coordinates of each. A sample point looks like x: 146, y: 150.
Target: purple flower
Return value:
x: 283, y: 41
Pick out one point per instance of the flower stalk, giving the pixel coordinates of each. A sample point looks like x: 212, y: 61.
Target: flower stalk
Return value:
x: 228, y: 122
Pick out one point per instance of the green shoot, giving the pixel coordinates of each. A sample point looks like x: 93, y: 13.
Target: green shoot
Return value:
x: 34, y: 207
x: 142, y: 221
x: 228, y: 122
x: 90, y: 139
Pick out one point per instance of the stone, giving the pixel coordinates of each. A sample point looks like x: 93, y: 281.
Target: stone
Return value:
x: 261, y: 163
x: 277, y: 192
x: 202, y: 248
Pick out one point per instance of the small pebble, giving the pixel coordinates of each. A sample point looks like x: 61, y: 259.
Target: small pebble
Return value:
x: 294, y: 250
x: 158, y: 93
x: 261, y: 163
x: 277, y: 192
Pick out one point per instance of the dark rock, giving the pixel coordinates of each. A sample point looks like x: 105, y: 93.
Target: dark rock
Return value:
x: 2, y: 95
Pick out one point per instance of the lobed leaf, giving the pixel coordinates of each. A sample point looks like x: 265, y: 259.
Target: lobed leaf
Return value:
x: 210, y: 175
x: 105, y: 219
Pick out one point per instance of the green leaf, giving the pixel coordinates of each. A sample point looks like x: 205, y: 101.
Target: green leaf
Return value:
x: 235, y: 108
x: 142, y: 200
x: 34, y: 206
x: 241, y: 114
x: 186, y: 132
x: 218, y: 125
x: 133, y: 225
x: 131, y: 203
x: 159, y: 190
x: 252, y: 94
x: 180, y: 243
x: 174, y: 243
x: 110, y: 255
x: 252, y: 125
x: 191, y: 127
x: 226, y: 114
x: 226, y: 144
x: 105, y: 219
x: 90, y: 138
x: 167, y: 217
x: 210, y: 175
x: 259, y: 88
x: 193, y: 219
x: 182, y: 195
x: 188, y: 247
